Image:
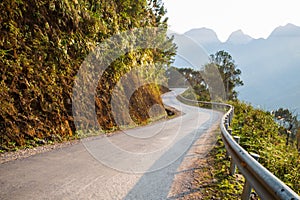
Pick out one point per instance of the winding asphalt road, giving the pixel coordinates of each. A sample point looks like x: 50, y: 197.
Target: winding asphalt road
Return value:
x: 139, y: 163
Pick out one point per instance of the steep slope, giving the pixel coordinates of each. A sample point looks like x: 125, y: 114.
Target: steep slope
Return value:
x: 43, y: 44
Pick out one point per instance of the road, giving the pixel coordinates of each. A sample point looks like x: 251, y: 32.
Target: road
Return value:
x: 139, y: 163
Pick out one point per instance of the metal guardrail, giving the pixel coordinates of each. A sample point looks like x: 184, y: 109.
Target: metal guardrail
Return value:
x: 265, y: 184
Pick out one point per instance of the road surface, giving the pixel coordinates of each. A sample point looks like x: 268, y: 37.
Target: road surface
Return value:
x: 137, y: 164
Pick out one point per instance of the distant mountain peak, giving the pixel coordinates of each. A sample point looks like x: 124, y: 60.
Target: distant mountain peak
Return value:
x: 238, y: 37
x: 203, y: 35
x: 289, y: 30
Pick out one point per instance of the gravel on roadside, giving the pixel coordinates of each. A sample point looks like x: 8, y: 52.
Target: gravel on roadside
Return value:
x: 24, y: 153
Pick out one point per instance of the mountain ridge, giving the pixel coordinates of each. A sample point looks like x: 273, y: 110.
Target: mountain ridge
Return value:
x: 284, y: 31
x: 207, y: 35
x: 239, y: 37
x: 203, y: 35
x: 270, y: 67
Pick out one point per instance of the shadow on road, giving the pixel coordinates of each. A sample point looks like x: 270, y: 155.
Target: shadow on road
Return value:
x: 148, y: 187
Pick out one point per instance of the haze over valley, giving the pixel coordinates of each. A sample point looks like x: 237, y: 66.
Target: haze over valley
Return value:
x: 270, y: 67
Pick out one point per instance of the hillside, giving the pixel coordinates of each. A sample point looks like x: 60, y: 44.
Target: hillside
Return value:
x: 43, y: 44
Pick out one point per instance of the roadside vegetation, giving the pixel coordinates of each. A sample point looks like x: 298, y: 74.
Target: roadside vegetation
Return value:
x: 42, y: 46
x: 44, y: 42
x: 259, y: 134
x: 274, y: 136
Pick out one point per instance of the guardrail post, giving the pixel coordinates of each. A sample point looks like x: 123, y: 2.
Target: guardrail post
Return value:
x: 247, y: 187
x: 229, y: 130
x: 246, y: 191
x: 231, y: 115
x: 232, y: 164
x: 237, y: 139
x: 229, y: 119
x: 226, y: 123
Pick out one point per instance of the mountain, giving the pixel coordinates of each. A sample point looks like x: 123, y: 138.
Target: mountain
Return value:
x: 289, y: 30
x: 270, y: 67
x: 203, y: 35
x: 238, y: 37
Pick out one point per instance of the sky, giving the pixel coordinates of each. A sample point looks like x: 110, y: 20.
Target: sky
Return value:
x: 257, y: 18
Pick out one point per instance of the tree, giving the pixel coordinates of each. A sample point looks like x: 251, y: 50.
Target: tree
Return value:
x: 298, y: 139
x: 288, y: 122
x: 229, y: 73
x: 205, y: 83
x: 188, y: 77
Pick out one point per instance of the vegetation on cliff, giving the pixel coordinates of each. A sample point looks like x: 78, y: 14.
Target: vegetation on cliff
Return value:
x: 42, y: 46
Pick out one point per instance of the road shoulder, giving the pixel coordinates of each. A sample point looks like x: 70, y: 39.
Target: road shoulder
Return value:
x: 195, y: 169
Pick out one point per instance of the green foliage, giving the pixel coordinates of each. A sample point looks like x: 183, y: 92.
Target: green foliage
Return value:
x: 187, y: 77
x: 289, y: 124
x: 201, y: 87
x: 225, y: 186
x: 229, y: 73
x: 42, y: 45
x: 260, y: 134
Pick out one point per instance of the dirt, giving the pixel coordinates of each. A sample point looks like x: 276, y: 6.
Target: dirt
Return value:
x: 194, y: 177
x: 24, y: 153
x: 27, y: 152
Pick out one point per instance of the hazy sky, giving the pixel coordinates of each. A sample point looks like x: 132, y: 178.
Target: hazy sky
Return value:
x: 257, y: 18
